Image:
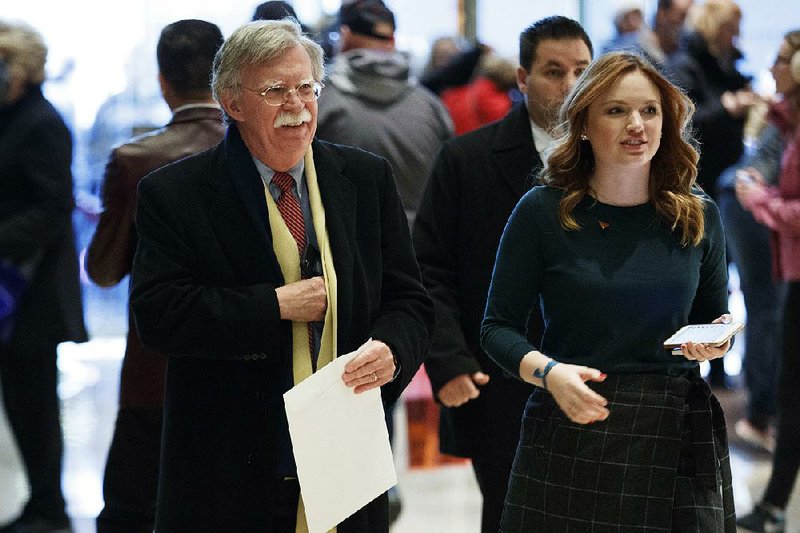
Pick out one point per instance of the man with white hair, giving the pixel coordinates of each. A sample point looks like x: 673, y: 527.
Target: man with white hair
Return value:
x: 259, y: 262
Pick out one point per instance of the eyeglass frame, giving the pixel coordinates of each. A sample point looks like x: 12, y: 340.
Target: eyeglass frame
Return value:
x: 317, y: 87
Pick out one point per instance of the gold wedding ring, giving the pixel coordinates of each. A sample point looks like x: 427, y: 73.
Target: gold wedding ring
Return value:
x: 374, y: 377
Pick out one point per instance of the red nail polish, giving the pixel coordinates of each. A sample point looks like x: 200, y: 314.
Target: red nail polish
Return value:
x: 603, y: 376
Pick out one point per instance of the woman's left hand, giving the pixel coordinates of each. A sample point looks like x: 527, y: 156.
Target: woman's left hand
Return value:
x: 704, y: 352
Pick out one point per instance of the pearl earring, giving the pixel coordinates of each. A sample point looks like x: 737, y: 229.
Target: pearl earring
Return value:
x: 584, y: 137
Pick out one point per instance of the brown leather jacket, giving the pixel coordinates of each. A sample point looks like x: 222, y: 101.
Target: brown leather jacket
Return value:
x: 110, y: 255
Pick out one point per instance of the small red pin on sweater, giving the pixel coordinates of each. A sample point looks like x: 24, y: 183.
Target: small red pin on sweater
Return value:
x: 603, y: 224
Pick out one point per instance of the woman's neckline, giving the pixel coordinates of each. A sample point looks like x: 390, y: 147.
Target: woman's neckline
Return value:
x: 596, y: 198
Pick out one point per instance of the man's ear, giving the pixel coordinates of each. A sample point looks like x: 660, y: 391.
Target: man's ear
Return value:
x: 230, y: 103
x: 166, y: 89
x: 522, y: 78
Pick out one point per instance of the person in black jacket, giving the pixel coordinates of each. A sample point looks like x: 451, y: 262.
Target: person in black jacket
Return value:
x: 37, y: 241
x: 258, y: 262
x: 706, y: 70
x: 476, y: 182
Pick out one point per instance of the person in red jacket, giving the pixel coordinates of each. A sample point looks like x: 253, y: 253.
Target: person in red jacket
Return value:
x: 483, y: 100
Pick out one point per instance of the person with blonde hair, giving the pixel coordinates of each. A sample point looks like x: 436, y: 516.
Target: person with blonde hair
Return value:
x: 38, y: 268
x: 706, y: 70
x: 619, y: 250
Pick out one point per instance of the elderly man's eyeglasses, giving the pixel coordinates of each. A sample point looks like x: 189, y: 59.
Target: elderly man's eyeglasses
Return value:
x: 279, y: 94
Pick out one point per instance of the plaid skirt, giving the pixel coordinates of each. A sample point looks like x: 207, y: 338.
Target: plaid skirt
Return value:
x: 659, y: 462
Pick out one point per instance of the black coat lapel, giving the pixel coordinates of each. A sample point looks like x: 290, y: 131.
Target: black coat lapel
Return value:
x: 513, y: 151
x: 339, y: 199
x: 247, y: 183
x: 248, y: 186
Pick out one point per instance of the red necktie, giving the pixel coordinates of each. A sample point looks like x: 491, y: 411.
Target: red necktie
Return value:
x: 290, y: 209
x: 293, y: 217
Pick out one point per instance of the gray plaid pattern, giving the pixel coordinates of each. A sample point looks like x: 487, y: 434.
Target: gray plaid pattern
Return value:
x: 658, y: 463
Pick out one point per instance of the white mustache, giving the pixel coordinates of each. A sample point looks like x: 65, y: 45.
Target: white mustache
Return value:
x: 292, y: 119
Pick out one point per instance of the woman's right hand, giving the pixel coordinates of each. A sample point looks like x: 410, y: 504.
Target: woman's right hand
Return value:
x: 567, y: 384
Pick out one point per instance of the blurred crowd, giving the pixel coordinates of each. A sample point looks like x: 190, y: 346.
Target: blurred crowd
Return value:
x: 376, y: 98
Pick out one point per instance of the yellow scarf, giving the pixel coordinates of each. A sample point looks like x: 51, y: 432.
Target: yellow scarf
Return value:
x: 289, y: 261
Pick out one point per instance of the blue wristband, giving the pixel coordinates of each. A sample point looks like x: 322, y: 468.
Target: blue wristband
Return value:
x: 542, y: 374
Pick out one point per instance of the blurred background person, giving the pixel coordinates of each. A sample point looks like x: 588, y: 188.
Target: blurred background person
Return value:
x: 658, y: 44
x: 749, y: 249
x: 486, y: 98
x: 477, y: 180
x: 706, y: 69
x: 778, y: 208
x: 36, y: 238
x: 184, y: 53
x: 277, y: 10
x: 371, y: 102
x: 669, y: 23
x: 631, y: 30
x: 456, y: 71
x: 443, y: 51
x: 274, y: 10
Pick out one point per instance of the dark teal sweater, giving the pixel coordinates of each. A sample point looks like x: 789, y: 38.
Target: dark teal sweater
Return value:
x: 609, y: 297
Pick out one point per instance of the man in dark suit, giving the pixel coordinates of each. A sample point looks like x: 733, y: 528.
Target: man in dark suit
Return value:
x: 476, y: 182
x: 185, y: 53
x: 39, y: 265
x: 258, y: 262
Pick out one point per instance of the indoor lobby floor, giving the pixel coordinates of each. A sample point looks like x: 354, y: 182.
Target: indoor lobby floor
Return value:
x: 439, y: 499
x: 435, y: 499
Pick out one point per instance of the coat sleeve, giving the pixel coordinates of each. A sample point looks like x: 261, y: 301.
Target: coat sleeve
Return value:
x: 515, y: 287
x: 436, y: 241
x: 406, y: 316
x: 111, y: 251
x: 779, y: 214
x: 44, y: 159
x: 711, y: 297
x: 177, y: 312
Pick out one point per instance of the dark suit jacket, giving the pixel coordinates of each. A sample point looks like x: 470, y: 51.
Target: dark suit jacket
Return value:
x: 36, y: 221
x: 203, y: 291
x: 476, y: 182
x: 110, y: 254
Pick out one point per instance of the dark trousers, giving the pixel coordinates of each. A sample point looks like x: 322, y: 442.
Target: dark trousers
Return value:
x: 130, y: 482
x: 492, y: 469
x: 287, y: 496
x: 748, y: 243
x: 29, y: 380
x: 786, y: 461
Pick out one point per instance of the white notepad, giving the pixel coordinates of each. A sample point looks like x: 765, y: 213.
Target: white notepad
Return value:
x: 711, y: 334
